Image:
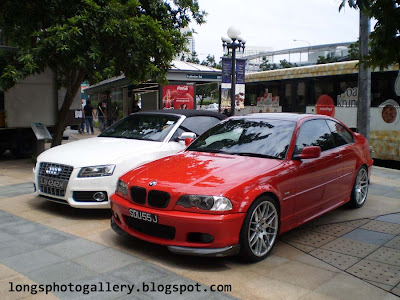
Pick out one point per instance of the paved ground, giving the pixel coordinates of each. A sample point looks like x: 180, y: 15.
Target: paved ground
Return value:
x: 346, y: 254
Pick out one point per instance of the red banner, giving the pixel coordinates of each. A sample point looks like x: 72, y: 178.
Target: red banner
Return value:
x: 178, y: 97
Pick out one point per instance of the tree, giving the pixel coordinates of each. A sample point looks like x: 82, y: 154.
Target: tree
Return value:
x: 194, y: 59
x: 92, y: 40
x: 266, y: 66
x: 207, y: 90
x: 385, y: 39
x: 210, y: 62
x: 285, y: 64
x: 326, y: 59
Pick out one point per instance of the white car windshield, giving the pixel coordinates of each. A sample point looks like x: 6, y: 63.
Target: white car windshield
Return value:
x: 142, y: 127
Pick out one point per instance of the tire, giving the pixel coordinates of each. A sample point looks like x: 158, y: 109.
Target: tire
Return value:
x: 259, y: 230
x: 360, y: 188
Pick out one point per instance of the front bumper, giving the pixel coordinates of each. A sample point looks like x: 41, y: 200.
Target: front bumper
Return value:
x: 80, y: 185
x: 224, y: 229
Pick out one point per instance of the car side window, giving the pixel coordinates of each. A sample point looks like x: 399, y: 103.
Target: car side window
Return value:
x: 314, y: 133
x: 196, y: 124
x: 340, y: 134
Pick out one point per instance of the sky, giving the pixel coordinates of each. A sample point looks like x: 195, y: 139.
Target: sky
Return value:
x: 275, y: 23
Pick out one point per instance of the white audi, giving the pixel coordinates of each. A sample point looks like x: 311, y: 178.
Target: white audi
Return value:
x: 84, y: 173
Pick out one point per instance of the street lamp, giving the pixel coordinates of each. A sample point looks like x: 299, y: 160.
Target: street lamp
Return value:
x: 232, y: 42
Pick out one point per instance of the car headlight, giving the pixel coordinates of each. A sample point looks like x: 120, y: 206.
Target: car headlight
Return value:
x: 215, y: 203
x: 97, y: 171
x: 122, y: 188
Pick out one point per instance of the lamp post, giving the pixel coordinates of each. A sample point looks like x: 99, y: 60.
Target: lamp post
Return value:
x: 308, y: 52
x: 233, y: 42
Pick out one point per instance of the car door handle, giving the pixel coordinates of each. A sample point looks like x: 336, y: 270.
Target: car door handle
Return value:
x: 339, y: 156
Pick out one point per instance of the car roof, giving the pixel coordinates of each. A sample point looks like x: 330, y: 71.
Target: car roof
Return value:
x: 282, y: 116
x: 185, y: 112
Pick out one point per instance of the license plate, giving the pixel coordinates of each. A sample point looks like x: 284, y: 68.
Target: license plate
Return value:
x: 52, y: 183
x: 136, y: 214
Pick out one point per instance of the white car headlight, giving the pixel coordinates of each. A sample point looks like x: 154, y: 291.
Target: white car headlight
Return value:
x: 97, y: 171
x: 215, y: 203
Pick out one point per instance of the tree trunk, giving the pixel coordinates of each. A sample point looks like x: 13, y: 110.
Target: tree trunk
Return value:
x: 71, y: 90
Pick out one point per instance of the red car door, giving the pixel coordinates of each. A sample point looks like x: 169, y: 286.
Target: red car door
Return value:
x: 318, y: 177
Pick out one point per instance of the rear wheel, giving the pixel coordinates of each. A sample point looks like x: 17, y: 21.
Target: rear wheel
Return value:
x: 260, y: 229
x: 360, y: 188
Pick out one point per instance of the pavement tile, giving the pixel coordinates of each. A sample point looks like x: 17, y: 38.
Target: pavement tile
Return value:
x: 356, y: 223
x: 31, y: 261
x: 369, y: 236
x: 6, y: 272
x: 16, y: 189
x: 396, y: 290
x: 376, y: 271
x: 65, y: 271
x: 385, y: 227
x: 302, y: 247
x: 386, y: 255
x: 350, y: 247
x: 340, y: 261
x: 15, y: 247
x: 105, y: 260
x: 291, y: 272
x: 46, y: 237
x: 347, y: 287
x: 385, y: 287
x: 7, y: 219
x: 392, y: 218
x: 394, y: 243
x: 308, y: 238
x: 141, y: 272
x: 332, y: 229
x: 75, y: 248
x: 22, y: 227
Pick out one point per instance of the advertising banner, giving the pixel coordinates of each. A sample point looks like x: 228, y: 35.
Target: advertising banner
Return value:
x: 226, y: 83
x: 178, y: 96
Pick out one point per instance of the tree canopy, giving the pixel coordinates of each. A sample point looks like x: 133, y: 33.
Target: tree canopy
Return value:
x: 92, y: 40
x: 385, y: 38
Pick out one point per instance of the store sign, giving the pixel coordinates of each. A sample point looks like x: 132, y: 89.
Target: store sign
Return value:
x: 325, y: 106
x: 178, y: 96
x: 348, y: 98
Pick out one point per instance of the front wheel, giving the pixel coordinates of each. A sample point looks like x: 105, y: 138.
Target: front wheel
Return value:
x: 260, y: 229
x: 360, y: 188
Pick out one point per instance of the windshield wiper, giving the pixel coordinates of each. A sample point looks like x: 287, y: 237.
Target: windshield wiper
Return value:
x: 256, y: 155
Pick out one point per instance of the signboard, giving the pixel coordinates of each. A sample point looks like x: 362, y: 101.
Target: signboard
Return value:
x: 179, y: 96
x: 41, y: 132
x: 325, y: 106
x: 226, y: 83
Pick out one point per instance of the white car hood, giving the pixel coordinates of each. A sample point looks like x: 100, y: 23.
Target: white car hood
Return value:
x: 97, y: 151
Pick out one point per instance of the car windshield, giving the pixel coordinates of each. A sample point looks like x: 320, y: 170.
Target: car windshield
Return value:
x: 142, y: 127
x: 247, y: 137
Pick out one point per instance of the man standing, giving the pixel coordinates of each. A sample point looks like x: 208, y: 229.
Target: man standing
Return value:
x: 88, y: 114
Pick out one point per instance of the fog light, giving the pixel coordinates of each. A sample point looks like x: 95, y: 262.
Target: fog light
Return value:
x: 99, y: 196
x: 198, y: 237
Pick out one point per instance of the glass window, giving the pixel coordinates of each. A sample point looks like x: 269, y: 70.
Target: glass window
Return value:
x: 142, y: 127
x: 341, y: 135
x: 196, y: 124
x: 247, y: 137
x: 314, y: 133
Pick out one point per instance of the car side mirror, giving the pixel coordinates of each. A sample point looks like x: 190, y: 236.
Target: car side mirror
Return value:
x: 185, y: 135
x: 309, y: 152
x: 188, y: 141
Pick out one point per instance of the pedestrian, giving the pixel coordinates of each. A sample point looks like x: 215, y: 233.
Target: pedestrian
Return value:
x: 135, y: 106
x: 102, y: 115
x: 88, y: 114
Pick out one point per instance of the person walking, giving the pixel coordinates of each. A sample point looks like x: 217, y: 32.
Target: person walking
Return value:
x: 88, y: 114
x: 102, y: 115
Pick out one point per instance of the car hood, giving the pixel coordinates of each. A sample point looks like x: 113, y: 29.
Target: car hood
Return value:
x: 190, y: 170
x: 97, y: 151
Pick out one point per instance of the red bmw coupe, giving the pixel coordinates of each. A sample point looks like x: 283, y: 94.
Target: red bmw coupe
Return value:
x: 243, y: 182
